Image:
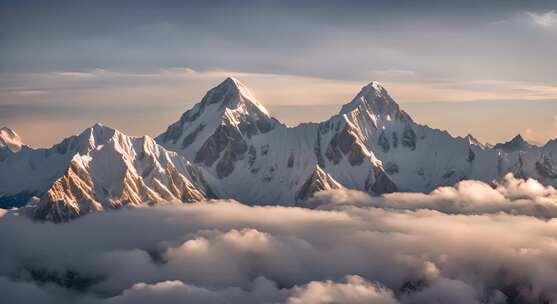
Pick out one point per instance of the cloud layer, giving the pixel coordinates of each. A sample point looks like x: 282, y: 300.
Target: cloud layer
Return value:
x: 512, y: 195
x: 451, y: 246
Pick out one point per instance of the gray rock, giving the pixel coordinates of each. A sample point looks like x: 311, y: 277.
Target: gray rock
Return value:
x: 318, y: 181
x: 252, y: 156
x: 264, y: 149
x: 546, y: 167
x: 394, y: 137
x: 391, y: 168
x: 383, y: 142
x: 264, y: 125
x: 188, y: 140
x: 471, y: 155
x: 225, y: 136
x: 317, y: 152
x: 345, y: 143
x: 409, y: 137
x: 378, y: 182
x: 448, y: 174
x: 225, y: 166
x: 291, y: 160
x: 247, y: 128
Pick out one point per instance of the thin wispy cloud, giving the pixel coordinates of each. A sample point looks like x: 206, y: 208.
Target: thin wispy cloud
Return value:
x: 545, y: 20
x: 163, y: 94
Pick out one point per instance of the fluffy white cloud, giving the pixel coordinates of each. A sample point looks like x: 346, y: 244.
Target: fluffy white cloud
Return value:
x: 512, y: 195
x: 354, y: 290
x: 166, y: 292
x: 393, y: 249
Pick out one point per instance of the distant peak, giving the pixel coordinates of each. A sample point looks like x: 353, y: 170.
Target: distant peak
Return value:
x: 518, y: 139
x: 472, y: 140
x: 99, y: 127
x: 98, y: 133
x: 8, y: 131
x: 374, y: 99
x: 517, y: 143
x: 9, y: 138
x: 374, y: 86
x: 232, y: 81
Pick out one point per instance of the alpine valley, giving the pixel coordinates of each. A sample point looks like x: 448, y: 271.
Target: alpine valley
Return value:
x: 228, y: 146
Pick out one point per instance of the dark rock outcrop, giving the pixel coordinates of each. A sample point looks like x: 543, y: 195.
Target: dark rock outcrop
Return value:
x: 319, y: 180
x: 378, y: 182
x: 383, y: 142
x: 409, y: 137
x: 546, y: 167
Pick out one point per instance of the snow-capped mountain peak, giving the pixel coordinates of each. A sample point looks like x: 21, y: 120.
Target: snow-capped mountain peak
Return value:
x: 99, y: 134
x: 234, y: 96
x: 374, y: 102
x: 227, y: 113
x: 10, y: 139
x: 470, y: 139
x: 89, y: 139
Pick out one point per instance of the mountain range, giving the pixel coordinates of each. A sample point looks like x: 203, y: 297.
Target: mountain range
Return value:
x: 229, y: 146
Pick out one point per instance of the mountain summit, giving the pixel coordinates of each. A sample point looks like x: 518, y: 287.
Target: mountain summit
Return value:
x: 228, y: 107
x: 374, y: 101
x: 233, y: 95
x: 10, y: 139
x: 516, y: 144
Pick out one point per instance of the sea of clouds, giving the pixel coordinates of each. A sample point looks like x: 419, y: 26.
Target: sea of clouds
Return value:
x: 471, y: 243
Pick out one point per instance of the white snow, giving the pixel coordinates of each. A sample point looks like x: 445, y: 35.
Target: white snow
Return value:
x: 10, y: 139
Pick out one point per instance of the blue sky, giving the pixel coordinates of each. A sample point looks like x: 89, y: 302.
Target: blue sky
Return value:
x: 66, y: 64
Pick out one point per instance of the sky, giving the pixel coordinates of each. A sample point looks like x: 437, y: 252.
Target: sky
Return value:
x: 480, y: 67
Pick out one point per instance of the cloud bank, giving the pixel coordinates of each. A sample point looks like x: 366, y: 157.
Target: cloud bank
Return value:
x: 461, y: 244
x: 512, y: 195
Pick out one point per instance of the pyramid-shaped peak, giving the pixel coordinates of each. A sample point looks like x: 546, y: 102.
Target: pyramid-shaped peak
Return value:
x: 228, y: 103
x: 471, y: 139
x: 232, y: 94
x: 234, y: 85
x: 232, y: 81
x: 99, y: 128
x: 97, y: 134
x: 374, y: 99
x: 375, y: 87
x: 518, y: 139
x: 516, y: 144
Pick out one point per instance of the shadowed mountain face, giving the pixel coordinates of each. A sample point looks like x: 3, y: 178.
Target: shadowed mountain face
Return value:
x: 515, y: 144
x: 228, y: 146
